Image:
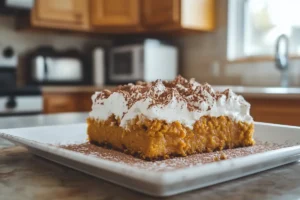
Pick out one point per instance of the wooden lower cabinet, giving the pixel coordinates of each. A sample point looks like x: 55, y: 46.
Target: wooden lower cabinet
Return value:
x: 85, y: 101
x: 61, y: 102
x: 278, y: 111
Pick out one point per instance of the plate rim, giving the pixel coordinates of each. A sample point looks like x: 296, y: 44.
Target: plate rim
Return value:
x: 160, y: 179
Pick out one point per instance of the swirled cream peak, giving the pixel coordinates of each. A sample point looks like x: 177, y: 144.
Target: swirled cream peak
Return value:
x: 178, y: 100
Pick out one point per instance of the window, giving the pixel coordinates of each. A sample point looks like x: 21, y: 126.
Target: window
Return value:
x: 255, y: 25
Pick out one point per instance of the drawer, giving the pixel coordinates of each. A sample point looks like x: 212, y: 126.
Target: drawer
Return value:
x: 86, y: 102
x: 278, y: 111
x: 56, y: 103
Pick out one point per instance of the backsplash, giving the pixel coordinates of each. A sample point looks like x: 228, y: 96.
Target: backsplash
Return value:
x: 261, y: 74
x: 203, y: 54
x: 22, y: 41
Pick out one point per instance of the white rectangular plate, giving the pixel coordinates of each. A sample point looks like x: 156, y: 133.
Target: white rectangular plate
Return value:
x: 42, y: 140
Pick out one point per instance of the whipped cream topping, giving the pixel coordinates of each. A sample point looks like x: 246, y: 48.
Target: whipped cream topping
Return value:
x: 178, y: 100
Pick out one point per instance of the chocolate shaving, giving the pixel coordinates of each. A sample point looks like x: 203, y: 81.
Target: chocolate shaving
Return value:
x: 173, y: 163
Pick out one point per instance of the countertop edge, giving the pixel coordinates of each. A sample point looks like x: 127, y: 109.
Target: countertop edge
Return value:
x: 246, y: 91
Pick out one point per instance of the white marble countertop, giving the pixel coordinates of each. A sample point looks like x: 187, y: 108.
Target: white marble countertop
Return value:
x: 74, y: 89
x: 262, y: 92
x: 25, y: 176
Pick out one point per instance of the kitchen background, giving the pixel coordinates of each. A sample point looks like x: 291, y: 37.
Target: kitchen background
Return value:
x: 55, y: 54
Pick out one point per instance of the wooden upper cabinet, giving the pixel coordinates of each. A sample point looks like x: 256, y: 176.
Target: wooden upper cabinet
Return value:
x: 115, y: 13
x: 196, y: 15
x: 161, y: 12
x: 68, y: 14
x: 199, y: 14
x: 125, y: 16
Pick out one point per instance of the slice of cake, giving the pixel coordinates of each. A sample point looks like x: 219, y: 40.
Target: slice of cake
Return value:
x: 160, y: 119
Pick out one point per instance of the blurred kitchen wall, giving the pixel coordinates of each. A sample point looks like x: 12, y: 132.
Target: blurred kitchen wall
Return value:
x: 23, y: 41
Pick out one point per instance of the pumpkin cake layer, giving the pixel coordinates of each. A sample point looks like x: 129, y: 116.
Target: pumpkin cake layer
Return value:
x: 156, y: 139
x: 161, y: 119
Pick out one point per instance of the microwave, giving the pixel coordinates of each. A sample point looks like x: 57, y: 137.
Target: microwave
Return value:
x: 50, y: 67
x: 146, y: 61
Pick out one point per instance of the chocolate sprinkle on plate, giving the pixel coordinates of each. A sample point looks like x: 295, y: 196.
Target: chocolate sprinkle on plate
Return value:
x: 173, y: 163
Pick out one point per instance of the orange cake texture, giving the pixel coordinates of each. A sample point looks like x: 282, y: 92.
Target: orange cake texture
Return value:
x: 162, y: 119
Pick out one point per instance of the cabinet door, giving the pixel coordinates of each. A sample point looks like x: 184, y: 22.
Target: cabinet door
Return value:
x: 85, y: 102
x: 57, y: 103
x: 61, y: 13
x: 112, y: 13
x: 278, y: 111
x: 161, y: 12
